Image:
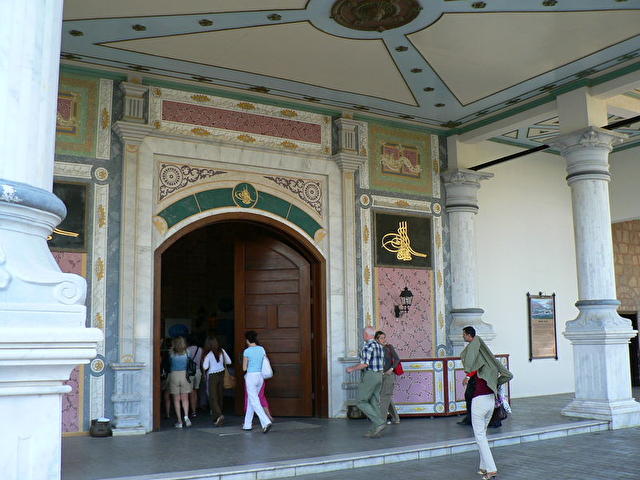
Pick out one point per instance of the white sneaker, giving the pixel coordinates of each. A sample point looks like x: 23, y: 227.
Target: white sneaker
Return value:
x: 187, y: 422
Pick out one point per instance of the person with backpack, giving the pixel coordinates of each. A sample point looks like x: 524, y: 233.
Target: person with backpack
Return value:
x: 179, y: 383
x: 195, y: 356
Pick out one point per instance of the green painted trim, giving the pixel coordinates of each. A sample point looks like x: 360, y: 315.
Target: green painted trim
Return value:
x: 398, y: 125
x: 90, y: 72
x: 154, y: 82
x: 223, y: 197
x: 626, y: 146
x: 520, y: 145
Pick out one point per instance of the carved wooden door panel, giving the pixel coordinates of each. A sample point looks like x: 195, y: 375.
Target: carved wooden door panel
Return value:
x: 272, y: 297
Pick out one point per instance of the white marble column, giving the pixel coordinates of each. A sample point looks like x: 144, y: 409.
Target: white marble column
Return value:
x: 599, y: 335
x: 42, y: 312
x: 349, y: 158
x: 462, y: 206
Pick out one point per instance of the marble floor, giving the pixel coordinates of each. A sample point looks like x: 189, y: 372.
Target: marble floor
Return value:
x: 205, y: 447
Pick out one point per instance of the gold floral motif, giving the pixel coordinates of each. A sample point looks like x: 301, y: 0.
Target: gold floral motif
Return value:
x: 97, y: 365
x: 438, y: 240
x: 441, y: 320
x: 156, y: 92
x: 201, y: 132
x: 325, y: 120
x: 368, y: 318
x: 104, y: 118
x: 160, y: 224
x: 367, y: 275
x: 246, y: 106
x: 126, y: 358
x: 100, y: 268
x: 99, y: 322
x: 440, y: 278
x: 156, y: 124
x: 402, y: 203
x: 289, y: 145
x: 320, y: 234
x: 419, y: 409
x: 365, y: 234
x: 436, y: 166
x: 101, y: 173
x: 325, y: 150
x: 132, y: 148
x: 437, y: 208
x: 246, y: 138
x: 200, y: 98
x: 102, y: 216
x: 288, y: 113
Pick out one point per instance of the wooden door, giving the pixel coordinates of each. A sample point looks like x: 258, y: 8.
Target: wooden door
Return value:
x: 273, y: 297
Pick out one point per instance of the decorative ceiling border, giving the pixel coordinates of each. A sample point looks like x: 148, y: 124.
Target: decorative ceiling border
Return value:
x: 239, y: 122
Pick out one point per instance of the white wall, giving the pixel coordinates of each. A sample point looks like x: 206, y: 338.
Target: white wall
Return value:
x: 525, y: 244
x: 624, y: 189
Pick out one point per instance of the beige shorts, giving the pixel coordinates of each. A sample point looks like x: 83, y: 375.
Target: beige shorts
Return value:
x: 178, y: 383
x: 195, y: 381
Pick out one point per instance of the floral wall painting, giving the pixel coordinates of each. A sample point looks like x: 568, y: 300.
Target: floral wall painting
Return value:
x: 402, y: 241
x: 400, y: 160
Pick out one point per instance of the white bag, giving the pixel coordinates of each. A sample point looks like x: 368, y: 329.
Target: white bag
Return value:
x: 267, y: 371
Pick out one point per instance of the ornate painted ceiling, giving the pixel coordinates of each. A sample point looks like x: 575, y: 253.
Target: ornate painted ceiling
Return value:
x: 446, y: 64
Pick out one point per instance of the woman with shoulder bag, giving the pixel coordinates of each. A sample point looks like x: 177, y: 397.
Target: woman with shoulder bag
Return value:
x: 252, y: 358
x: 179, y: 385
x: 195, y: 354
x: 391, y: 361
x: 214, y: 364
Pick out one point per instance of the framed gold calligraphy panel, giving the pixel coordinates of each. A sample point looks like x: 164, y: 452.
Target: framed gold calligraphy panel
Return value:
x: 402, y: 240
x: 71, y: 234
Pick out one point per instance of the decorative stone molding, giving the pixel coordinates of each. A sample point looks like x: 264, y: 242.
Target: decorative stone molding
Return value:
x: 309, y: 191
x: 103, y: 134
x: 350, y: 137
x: 134, y: 100
x: 173, y: 177
x: 126, y: 399
x: 131, y: 133
x: 462, y: 189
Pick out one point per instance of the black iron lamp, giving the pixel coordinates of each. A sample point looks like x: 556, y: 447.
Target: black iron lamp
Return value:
x: 406, y: 297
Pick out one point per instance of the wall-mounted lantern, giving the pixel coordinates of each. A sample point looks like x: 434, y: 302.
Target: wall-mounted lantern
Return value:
x: 406, y: 297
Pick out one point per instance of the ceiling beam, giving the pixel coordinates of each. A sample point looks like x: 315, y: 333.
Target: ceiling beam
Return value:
x: 617, y: 86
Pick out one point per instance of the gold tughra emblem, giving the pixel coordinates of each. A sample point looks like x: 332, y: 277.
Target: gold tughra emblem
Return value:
x: 244, y: 196
x: 400, y: 244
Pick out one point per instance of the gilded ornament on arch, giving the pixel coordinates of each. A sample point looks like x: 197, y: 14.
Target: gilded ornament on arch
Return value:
x: 367, y: 275
x: 160, y: 224
x: 320, y: 234
x: 245, y: 195
x: 289, y: 145
x: 246, y: 138
x: 104, y: 118
x: 200, y: 98
x: 246, y: 106
x: 400, y: 244
x: 102, y: 216
x: 288, y: 113
x: 156, y: 92
x: 100, y: 268
x: 101, y: 174
x: 99, y: 321
x: 201, y: 132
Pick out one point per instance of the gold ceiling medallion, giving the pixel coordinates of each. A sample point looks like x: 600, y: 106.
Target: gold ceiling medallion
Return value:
x: 374, y: 15
x: 400, y: 244
x: 245, y: 195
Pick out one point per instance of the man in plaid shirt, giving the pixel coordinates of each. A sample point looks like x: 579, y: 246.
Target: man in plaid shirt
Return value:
x: 372, y: 362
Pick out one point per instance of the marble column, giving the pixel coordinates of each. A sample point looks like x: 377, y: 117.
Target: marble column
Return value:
x: 462, y: 206
x: 349, y: 158
x: 599, y: 335
x: 42, y: 310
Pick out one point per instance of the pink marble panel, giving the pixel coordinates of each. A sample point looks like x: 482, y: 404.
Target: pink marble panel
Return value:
x: 413, y: 333
x: 72, y: 262
x: 414, y: 387
x: 240, y: 121
x: 460, y: 388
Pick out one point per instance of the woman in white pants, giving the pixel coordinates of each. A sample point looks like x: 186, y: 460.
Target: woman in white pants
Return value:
x: 252, y: 364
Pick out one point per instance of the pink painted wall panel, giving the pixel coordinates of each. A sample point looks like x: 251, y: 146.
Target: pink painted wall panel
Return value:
x: 72, y: 262
x: 414, y: 387
x: 240, y: 122
x: 460, y: 388
x: 413, y: 333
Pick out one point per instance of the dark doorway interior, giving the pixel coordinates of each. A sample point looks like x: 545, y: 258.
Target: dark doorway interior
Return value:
x: 634, y: 349
x: 225, y: 277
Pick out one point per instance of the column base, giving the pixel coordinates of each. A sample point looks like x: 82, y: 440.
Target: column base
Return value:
x: 621, y: 414
x: 468, y: 317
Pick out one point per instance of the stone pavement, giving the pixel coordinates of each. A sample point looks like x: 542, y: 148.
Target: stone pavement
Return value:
x: 607, y: 455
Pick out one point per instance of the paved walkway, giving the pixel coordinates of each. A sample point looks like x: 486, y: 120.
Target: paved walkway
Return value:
x: 205, y: 447
x: 609, y: 455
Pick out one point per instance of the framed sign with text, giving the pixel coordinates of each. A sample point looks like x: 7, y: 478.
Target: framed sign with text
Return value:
x: 402, y: 241
x: 542, y: 326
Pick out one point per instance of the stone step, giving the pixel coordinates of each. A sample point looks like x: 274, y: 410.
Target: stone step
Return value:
x: 347, y: 461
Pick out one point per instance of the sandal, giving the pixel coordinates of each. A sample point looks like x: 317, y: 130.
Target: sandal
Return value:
x: 481, y: 471
x: 489, y: 475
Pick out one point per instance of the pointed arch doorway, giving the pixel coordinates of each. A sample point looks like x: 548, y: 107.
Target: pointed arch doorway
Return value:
x: 233, y: 272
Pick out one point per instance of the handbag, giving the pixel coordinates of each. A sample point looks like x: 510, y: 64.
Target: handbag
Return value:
x: 192, y: 367
x: 229, y: 381
x: 499, y: 414
x: 267, y: 371
x: 398, y: 370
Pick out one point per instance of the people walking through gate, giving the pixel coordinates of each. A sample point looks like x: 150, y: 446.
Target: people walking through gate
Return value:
x: 214, y: 364
x: 252, y: 359
x: 262, y: 396
x: 179, y: 384
x: 195, y: 354
x: 478, y: 361
x: 372, y: 362
x: 391, y: 361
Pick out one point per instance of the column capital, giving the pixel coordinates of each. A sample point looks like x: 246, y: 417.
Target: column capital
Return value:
x: 131, y: 133
x: 349, y: 162
x: 462, y: 187
x: 586, y: 152
x: 350, y: 136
